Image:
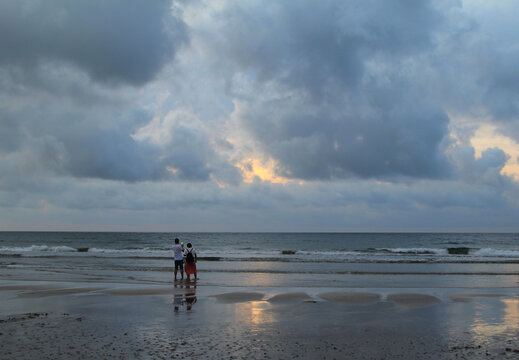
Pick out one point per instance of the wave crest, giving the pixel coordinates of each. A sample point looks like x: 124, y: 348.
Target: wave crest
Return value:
x: 38, y: 248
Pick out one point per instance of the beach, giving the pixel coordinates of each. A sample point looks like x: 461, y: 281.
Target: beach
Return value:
x: 64, y: 297
x: 93, y: 319
x: 346, y: 172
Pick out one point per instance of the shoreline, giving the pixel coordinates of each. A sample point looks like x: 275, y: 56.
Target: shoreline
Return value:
x: 352, y: 295
x: 322, y: 291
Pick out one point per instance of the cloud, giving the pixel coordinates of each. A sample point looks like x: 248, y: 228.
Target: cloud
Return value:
x: 310, y: 45
x: 331, y: 87
x: 10, y: 133
x: 103, y: 142
x: 341, y: 90
x: 246, y: 115
x: 60, y: 112
x: 495, y: 54
x: 121, y: 41
x: 358, y: 205
x: 483, y: 170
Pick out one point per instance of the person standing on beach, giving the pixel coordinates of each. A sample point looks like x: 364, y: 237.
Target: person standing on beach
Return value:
x: 183, y: 255
x: 191, y: 259
x: 179, y: 259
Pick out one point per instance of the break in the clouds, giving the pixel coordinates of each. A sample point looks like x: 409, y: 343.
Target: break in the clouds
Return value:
x: 259, y: 115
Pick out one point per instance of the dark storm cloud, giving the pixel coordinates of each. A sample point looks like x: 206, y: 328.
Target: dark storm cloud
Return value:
x: 337, y: 86
x: 398, y: 138
x: 310, y: 45
x: 503, y: 91
x: 108, y: 154
x: 60, y: 115
x: 496, y: 56
x: 10, y: 133
x: 116, y: 40
x: 98, y: 143
x: 187, y: 154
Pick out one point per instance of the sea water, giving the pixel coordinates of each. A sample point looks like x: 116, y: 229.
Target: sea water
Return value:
x: 357, y: 260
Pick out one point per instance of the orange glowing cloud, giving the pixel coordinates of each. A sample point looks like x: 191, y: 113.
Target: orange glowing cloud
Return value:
x: 487, y: 137
x: 252, y: 168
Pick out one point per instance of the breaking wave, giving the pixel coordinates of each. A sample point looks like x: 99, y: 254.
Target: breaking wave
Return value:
x: 413, y: 254
x: 38, y: 248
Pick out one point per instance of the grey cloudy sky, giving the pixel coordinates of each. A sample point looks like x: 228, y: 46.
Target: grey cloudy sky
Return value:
x: 238, y: 115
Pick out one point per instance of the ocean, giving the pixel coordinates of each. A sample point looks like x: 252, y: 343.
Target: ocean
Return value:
x: 357, y: 260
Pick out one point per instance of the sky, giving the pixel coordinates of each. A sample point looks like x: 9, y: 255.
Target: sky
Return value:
x: 249, y: 115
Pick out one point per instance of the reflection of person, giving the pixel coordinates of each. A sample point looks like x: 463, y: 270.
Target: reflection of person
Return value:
x: 179, y: 259
x: 177, y: 301
x: 191, y: 257
x: 190, y: 297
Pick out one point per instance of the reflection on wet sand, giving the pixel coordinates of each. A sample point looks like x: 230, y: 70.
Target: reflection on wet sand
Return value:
x: 187, y: 298
x: 254, y: 312
x: 507, y: 322
x: 240, y: 296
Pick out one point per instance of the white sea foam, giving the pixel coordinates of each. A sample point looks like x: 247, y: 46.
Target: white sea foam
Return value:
x: 37, y: 248
x: 144, y: 252
x: 238, y: 252
x: 329, y: 253
x: 417, y: 251
x: 496, y: 253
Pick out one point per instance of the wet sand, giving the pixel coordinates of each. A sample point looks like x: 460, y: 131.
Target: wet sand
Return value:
x: 237, y: 297
x: 350, y: 297
x: 200, y: 321
x: 290, y: 298
x: 413, y: 300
